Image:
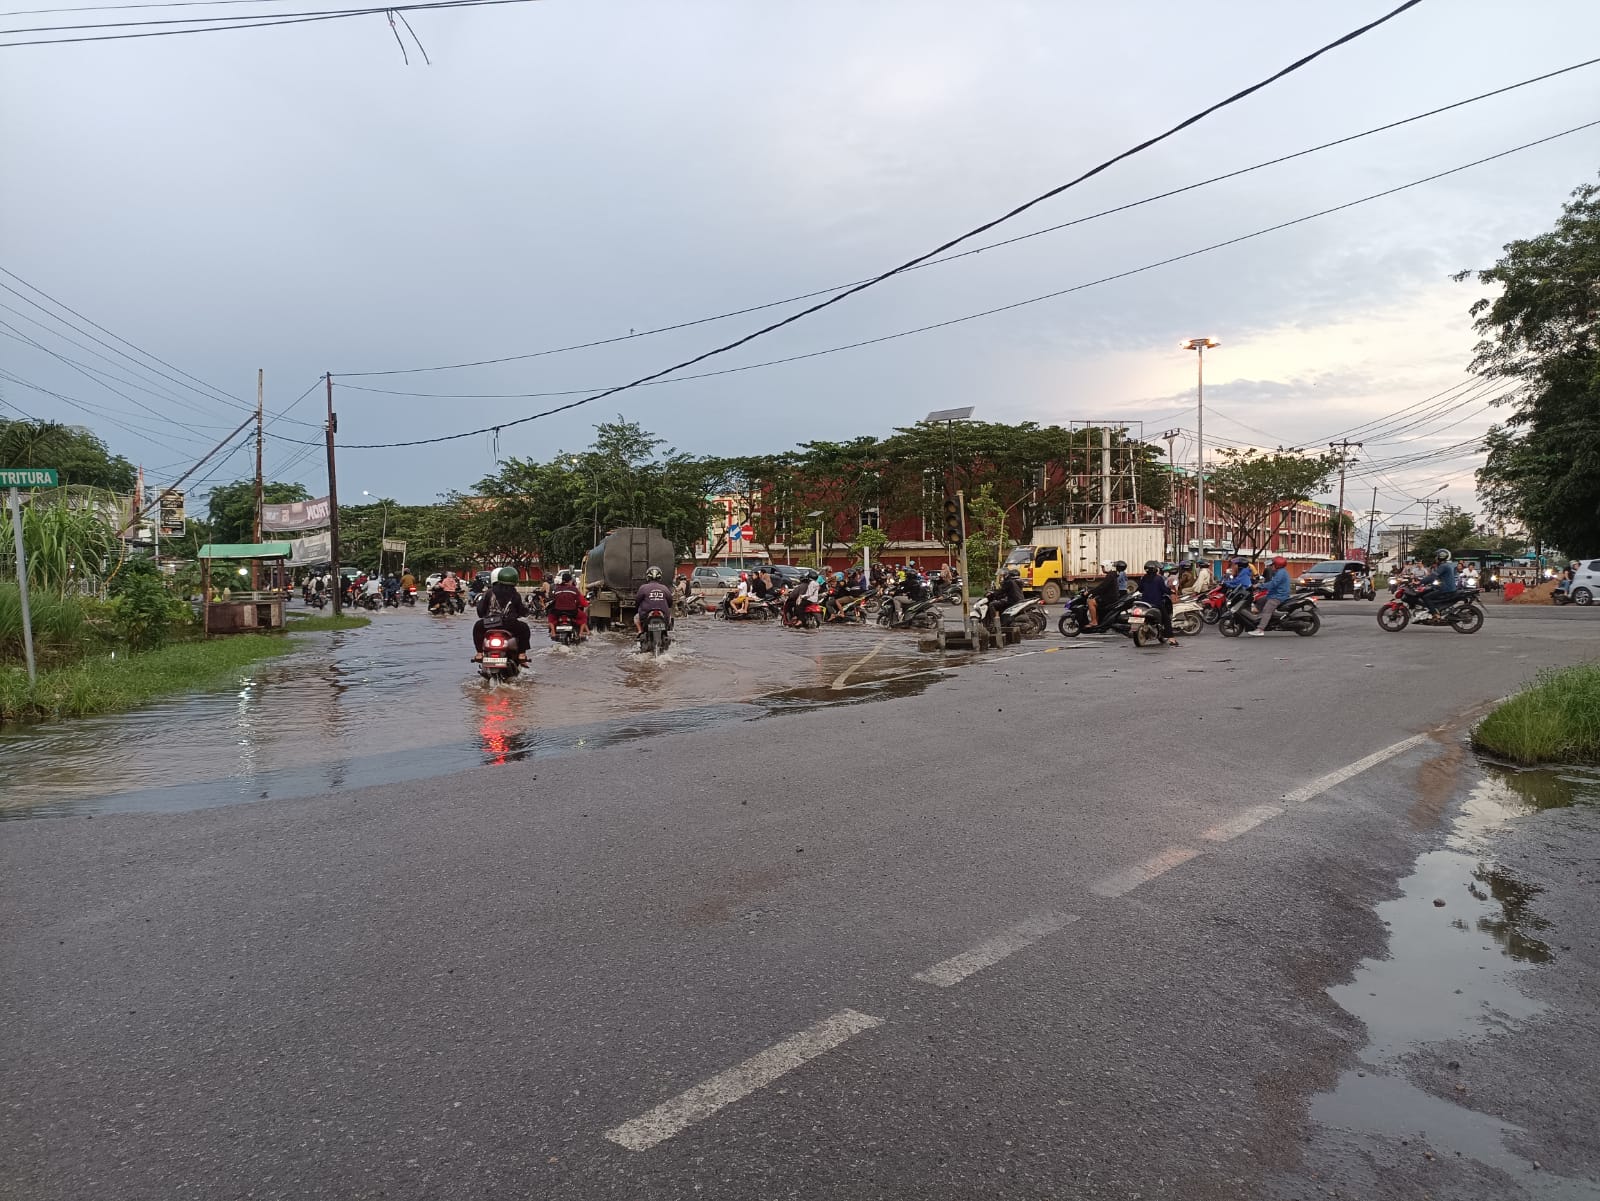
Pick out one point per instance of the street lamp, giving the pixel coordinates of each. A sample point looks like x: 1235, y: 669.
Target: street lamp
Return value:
x: 1200, y: 346
x: 595, y: 486
x: 821, y: 527
x: 384, y: 536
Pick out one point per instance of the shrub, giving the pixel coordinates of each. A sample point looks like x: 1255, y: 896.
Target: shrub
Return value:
x: 145, y: 613
x: 1555, y: 721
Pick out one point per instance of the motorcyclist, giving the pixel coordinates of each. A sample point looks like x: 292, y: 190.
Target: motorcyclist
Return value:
x: 912, y: 591
x: 1156, y: 591
x: 373, y: 588
x: 1010, y: 590
x: 1122, y: 575
x: 502, y: 598
x: 1106, y: 593
x: 567, y: 599
x: 1202, y: 582
x: 1242, y: 576
x: 1439, y: 585
x: 408, y: 582
x: 1277, y: 593
x: 653, y: 597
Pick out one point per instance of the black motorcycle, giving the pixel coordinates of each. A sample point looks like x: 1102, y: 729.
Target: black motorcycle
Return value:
x: 500, y: 660
x: 439, y: 603
x: 911, y: 615
x: 1130, y: 615
x: 1461, y: 612
x: 654, y: 637
x: 1298, y: 614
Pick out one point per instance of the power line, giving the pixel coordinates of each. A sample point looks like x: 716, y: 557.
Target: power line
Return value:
x: 756, y: 308
x: 301, y: 18
x: 655, y: 378
x: 94, y: 8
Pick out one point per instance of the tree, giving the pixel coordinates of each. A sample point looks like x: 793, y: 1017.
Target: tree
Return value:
x: 1541, y: 334
x: 1250, y: 485
x: 1455, y: 531
x: 233, y: 507
x: 74, y: 451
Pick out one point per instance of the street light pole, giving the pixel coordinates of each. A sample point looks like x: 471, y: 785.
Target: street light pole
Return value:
x: 1200, y: 346
x: 384, y: 536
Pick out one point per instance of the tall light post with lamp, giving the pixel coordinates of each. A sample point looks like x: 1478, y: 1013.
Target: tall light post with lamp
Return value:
x: 1200, y: 346
x: 384, y: 536
x: 822, y: 527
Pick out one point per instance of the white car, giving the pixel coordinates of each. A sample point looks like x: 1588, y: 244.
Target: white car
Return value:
x: 1585, y: 586
x: 432, y: 581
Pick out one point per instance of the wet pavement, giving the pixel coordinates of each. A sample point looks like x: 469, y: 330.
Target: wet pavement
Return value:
x: 398, y: 702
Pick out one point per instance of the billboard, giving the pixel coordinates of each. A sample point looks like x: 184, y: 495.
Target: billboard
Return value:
x: 171, y: 516
x: 294, y: 516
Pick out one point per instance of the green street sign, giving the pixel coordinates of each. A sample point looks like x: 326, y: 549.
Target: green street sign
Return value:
x: 28, y: 477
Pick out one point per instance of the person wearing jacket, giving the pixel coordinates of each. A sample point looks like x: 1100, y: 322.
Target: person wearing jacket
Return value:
x: 1201, y: 584
x: 1277, y: 593
x: 1439, y: 585
x: 502, y: 598
x: 1154, y: 590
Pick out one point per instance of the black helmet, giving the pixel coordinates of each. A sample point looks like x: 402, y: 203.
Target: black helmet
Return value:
x: 1012, y: 571
x: 1120, y: 565
x: 1151, y: 565
x: 566, y: 577
x: 1440, y: 555
x: 653, y: 574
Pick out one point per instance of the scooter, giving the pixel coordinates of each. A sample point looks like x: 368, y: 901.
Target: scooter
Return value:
x: 439, y: 603
x: 1029, y: 616
x: 807, y: 615
x: 1297, y: 614
x: 500, y: 659
x: 913, y: 615
x: 849, y: 609
x: 655, y: 637
x: 566, y: 630
x: 1187, y: 618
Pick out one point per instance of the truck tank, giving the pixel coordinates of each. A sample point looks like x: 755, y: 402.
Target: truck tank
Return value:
x: 616, y: 568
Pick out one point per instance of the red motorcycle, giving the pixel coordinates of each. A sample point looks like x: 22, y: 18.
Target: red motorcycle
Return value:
x: 1212, y: 605
x: 1461, y: 612
x: 807, y: 616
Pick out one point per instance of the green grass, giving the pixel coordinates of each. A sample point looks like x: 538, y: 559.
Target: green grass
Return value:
x: 1556, y: 720
x: 112, y: 684
x: 303, y: 625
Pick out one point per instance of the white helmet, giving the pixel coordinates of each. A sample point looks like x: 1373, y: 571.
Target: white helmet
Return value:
x: 1107, y: 565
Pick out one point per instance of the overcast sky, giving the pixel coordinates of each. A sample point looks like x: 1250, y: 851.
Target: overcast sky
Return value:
x: 298, y: 199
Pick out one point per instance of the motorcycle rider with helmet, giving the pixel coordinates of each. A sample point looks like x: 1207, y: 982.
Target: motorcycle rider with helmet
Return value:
x: 567, y: 598
x: 1277, y: 593
x: 501, y: 597
x: 653, y: 597
x: 1157, y: 592
x: 1439, y: 585
x: 1105, y: 594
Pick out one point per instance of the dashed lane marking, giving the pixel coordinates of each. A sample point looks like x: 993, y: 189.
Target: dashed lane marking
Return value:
x: 1119, y: 884
x: 1322, y: 783
x: 992, y: 950
x: 1242, y: 823
x: 706, y: 1098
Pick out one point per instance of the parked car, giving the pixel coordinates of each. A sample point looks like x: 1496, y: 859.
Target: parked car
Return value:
x: 787, y: 575
x: 714, y: 579
x: 1322, y: 579
x: 1585, y: 584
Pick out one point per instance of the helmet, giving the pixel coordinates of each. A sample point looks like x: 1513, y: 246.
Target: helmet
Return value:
x: 564, y: 578
x: 1184, y: 565
x: 1013, y: 573
x: 653, y: 574
x: 1107, y: 565
x: 1151, y: 565
x: 838, y: 577
x: 1279, y: 561
x: 1440, y: 555
x: 506, y: 575
x: 1120, y: 565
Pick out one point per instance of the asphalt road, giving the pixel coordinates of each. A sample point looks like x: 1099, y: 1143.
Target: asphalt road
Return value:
x: 1062, y: 923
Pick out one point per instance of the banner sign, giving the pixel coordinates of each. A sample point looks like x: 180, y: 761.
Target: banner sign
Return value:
x: 396, y: 545
x: 311, y: 551
x: 296, y: 515
x: 172, y: 516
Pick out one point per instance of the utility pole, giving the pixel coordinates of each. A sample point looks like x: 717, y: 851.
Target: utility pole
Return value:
x: 1343, y: 449
x: 255, y: 569
x: 1427, y: 507
x: 1173, y: 535
x: 337, y: 582
x: 1200, y: 345
x: 1372, y: 520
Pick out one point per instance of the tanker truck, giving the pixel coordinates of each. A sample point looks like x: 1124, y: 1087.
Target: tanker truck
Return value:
x: 614, y: 571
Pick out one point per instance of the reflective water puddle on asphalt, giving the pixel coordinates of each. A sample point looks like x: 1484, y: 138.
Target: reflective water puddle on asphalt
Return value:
x: 1451, y: 973
x: 398, y: 702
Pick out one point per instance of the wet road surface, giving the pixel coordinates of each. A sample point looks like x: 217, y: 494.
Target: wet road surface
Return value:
x: 398, y: 702
x: 1074, y: 921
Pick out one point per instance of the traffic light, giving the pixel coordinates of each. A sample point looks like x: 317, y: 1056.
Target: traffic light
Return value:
x: 952, y: 521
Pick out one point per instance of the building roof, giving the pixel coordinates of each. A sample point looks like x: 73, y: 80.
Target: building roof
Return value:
x: 244, y: 550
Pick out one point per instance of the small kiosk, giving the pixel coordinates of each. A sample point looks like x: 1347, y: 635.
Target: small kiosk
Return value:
x: 242, y: 611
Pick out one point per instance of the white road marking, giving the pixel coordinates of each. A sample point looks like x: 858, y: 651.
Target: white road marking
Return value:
x: 1243, y: 823
x: 704, y: 1099
x: 1121, y: 883
x: 844, y: 675
x: 992, y: 950
x: 1322, y: 783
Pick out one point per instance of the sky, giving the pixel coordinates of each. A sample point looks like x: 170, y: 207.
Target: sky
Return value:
x: 299, y: 200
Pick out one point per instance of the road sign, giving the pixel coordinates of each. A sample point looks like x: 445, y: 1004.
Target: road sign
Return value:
x: 747, y: 533
x: 734, y: 532
x: 28, y: 477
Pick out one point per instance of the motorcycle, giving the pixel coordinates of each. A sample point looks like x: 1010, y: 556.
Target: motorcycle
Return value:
x: 694, y: 604
x: 1461, y: 612
x: 806, y: 616
x: 500, y: 659
x: 912, y: 615
x: 756, y: 610
x: 439, y: 603
x: 408, y: 596
x: 1029, y: 616
x: 370, y: 601
x: 849, y: 609
x: 1074, y: 619
x: 566, y: 630
x: 316, y: 600
x: 1188, y: 618
x: 655, y: 636
x: 1298, y: 614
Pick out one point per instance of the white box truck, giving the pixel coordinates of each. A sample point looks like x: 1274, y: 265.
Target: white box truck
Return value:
x: 1061, y: 555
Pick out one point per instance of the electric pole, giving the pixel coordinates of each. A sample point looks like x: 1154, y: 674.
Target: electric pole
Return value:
x: 337, y: 583
x: 1174, y: 531
x: 255, y: 569
x: 1427, y: 506
x: 1200, y: 346
x: 1343, y: 449
x: 1372, y: 520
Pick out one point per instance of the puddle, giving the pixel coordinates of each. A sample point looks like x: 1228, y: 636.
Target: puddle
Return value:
x: 398, y: 704
x: 1451, y: 973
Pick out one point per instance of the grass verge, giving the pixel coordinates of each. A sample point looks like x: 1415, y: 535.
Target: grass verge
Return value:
x: 300, y: 624
x: 1556, y: 720
x: 110, y: 685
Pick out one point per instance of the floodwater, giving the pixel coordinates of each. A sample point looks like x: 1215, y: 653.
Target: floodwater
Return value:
x: 1452, y: 973
x: 399, y: 701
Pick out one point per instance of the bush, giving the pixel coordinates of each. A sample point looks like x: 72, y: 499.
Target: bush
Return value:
x: 145, y: 613
x: 1555, y: 721
x: 61, y: 624
x: 129, y: 571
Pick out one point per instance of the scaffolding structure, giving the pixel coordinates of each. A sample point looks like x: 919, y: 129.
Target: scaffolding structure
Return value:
x: 1100, y: 478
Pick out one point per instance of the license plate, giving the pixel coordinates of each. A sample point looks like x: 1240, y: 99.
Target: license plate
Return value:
x: 563, y: 629
x: 494, y: 661
x: 1136, y: 620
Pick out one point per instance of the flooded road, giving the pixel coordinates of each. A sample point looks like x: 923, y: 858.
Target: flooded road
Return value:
x: 399, y: 702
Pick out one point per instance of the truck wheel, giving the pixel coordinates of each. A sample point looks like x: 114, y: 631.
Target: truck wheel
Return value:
x: 1050, y: 593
